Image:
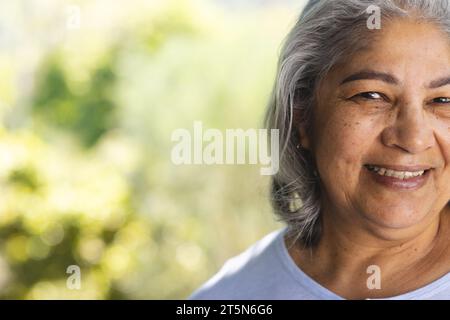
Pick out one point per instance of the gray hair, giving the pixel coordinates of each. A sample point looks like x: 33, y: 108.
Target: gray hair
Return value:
x: 327, y: 32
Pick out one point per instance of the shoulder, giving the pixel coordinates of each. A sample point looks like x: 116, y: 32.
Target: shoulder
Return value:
x: 247, y: 274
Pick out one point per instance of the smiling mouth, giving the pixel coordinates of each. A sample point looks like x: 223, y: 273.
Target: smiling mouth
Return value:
x: 402, y: 174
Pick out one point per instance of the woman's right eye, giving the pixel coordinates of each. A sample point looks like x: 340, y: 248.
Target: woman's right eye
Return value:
x: 371, y: 95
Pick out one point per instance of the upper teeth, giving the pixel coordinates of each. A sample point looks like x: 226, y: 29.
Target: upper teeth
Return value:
x: 396, y: 174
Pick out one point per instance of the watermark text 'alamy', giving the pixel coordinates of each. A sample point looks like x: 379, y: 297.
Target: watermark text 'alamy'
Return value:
x: 211, y: 146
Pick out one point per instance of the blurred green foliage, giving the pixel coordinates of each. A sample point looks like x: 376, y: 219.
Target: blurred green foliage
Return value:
x: 85, y: 169
x: 87, y: 114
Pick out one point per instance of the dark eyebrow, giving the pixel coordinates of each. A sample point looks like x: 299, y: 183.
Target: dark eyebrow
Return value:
x: 439, y: 83
x: 371, y: 75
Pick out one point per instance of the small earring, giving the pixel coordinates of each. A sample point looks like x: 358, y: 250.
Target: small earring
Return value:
x: 299, y: 146
x: 316, y: 174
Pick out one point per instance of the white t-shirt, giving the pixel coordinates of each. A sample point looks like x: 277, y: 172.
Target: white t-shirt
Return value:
x: 266, y: 271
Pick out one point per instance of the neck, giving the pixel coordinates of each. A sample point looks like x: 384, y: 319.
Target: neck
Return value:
x: 341, y: 259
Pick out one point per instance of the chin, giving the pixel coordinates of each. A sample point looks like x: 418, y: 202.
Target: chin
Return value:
x: 399, y: 218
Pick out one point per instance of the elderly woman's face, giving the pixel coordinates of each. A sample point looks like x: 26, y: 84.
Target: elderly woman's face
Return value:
x: 387, y: 109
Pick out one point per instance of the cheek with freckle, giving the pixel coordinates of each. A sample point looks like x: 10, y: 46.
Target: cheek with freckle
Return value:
x: 339, y: 152
x: 442, y: 174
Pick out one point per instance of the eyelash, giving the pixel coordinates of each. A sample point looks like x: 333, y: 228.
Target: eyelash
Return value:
x: 445, y: 98
x: 363, y: 95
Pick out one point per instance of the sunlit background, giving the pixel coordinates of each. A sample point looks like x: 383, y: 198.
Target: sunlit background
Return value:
x: 90, y: 92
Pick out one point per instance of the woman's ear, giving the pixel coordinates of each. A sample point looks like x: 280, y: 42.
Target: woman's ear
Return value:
x: 303, y: 137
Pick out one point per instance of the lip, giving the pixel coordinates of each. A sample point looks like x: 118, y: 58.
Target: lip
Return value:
x: 401, y: 167
x: 394, y: 183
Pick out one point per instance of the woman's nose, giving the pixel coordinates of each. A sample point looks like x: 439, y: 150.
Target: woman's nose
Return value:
x: 411, y: 130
